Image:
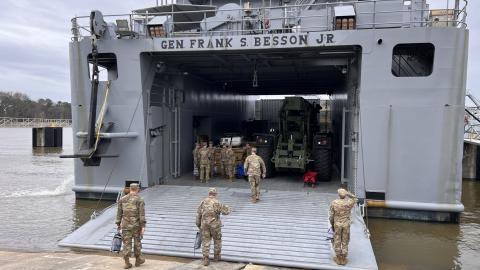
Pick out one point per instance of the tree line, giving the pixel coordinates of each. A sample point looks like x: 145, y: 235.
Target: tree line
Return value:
x: 18, y: 105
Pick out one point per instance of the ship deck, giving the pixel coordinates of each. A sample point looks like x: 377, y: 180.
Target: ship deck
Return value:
x: 285, y: 228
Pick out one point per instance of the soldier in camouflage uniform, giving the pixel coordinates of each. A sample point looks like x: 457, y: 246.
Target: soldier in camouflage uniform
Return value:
x: 131, y: 219
x: 208, y: 221
x: 204, y: 160
x: 254, y: 167
x: 196, y: 164
x: 340, y: 212
x: 211, y: 156
x: 223, y: 161
x: 231, y: 162
x: 247, y: 151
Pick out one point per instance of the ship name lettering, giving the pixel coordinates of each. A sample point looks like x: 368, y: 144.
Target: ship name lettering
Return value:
x: 275, y: 40
x: 243, y: 42
x: 172, y: 44
x: 199, y: 43
x: 210, y: 44
x: 228, y: 42
x: 328, y: 37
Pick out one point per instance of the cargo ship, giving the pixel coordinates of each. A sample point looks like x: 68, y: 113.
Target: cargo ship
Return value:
x: 146, y: 83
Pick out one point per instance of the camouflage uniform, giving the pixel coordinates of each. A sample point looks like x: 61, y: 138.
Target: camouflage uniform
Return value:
x: 254, y: 168
x: 223, y: 161
x: 204, y: 160
x: 231, y: 160
x: 208, y: 221
x: 211, y: 156
x: 196, y: 164
x: 131, y: 217
x: 339, y: 215
x: 247, y: 151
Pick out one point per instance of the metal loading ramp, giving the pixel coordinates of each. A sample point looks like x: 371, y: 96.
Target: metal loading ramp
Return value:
x: 285, y: 228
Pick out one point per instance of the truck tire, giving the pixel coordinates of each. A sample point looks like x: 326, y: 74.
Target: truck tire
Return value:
x: 266, y: 153
x: 322, y: 164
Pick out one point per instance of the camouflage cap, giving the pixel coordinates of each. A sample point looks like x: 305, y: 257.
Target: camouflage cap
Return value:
x: 134, y: 186
x: 342, y: 192
x: 212, y: 191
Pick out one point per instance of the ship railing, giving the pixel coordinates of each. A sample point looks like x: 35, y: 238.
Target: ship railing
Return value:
x: 413, y: 15
x: 11, y: 122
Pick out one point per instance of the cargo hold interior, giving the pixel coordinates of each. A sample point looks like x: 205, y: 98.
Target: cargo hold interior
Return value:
x: 212, y: 93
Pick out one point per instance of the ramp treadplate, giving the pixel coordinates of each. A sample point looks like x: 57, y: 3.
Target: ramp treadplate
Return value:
x: 283, y: 229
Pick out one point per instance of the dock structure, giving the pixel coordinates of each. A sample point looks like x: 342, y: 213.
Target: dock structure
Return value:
x: 286, y: 229
x: 11, y: 122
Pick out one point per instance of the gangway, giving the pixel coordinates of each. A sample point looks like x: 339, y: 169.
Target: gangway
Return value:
x: 286, y: 228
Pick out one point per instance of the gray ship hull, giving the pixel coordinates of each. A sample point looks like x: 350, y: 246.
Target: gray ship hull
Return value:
x: 403, y: 135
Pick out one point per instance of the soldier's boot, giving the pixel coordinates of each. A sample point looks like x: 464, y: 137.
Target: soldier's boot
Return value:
x: 206, y: 262
x: 254, y: 200
x: 344, y: 259
x: 127, y: 265
x: 139, y: 261
x: 217, y: 257
x: 338, y: 259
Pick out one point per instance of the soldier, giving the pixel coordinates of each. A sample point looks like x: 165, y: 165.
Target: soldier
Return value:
x: 223, y: 161
x: 231, y: 162
x: 254, y: 167
x: 247, y: 151
x: 211, y: 156
x: 340, y: 211
x: 196, y: 165
x: 208, y: 221
x: 204, y: 160
x: 131, y: 219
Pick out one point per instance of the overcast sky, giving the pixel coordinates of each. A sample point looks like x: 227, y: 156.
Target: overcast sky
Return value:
x: 34, y: 38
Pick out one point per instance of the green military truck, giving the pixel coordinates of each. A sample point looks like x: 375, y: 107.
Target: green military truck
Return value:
x: 298, y: 146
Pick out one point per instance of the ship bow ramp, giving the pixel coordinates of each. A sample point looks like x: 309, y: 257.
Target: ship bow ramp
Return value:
x: 287, y: 229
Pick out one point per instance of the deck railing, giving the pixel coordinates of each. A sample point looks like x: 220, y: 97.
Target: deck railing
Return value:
x: 414, y: 13
x: 9, y: 122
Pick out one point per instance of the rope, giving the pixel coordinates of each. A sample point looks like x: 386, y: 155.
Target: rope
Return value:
x: 116, y: 161
x: 367, y: 231
x: 99, y: 123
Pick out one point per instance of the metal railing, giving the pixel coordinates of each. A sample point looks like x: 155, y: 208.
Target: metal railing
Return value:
x: 264, y: 16
x: 472, y: 119
x: 10, y: 122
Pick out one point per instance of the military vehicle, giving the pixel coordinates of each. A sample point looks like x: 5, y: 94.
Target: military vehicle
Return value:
x: 298, y: 146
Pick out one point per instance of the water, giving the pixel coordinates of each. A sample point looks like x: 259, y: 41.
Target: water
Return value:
x: 402, y: 244
x: 39, y: 209
x: 38, y: 206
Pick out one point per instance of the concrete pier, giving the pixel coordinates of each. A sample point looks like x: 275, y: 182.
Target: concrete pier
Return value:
x: 11, y: 260
x: 471, y: 159
x: 47, y: 137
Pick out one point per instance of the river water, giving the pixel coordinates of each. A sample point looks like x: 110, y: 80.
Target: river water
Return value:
x: 39, y: 209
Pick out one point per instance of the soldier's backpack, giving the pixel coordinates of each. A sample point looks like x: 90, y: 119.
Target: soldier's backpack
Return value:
x: 116, y: 243
x: 198, y: 241
x: 330, y: 234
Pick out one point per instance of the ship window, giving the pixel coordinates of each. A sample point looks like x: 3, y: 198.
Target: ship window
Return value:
x: 107, y: 67
x: 413, y: 60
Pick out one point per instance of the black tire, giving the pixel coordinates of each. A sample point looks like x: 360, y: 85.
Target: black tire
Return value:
x: 322, y: 164
x: 266, y: 153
